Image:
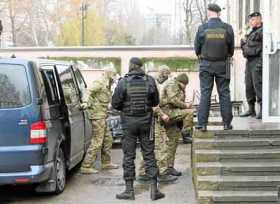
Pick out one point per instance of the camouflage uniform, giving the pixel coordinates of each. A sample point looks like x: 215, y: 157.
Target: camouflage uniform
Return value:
x: 99, y: 99
x: 161, y: 138
x: 173, y: 104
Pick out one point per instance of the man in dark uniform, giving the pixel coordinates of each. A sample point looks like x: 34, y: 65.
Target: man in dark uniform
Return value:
x: 214, y: 45
x: 135, y: 96
x: 252, y: 51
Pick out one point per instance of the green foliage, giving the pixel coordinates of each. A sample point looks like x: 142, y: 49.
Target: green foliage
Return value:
x: 71, y: 31
x: 100, y: 62
x: 174, y: 63
x: 98, y: 31
x: 116, y: 35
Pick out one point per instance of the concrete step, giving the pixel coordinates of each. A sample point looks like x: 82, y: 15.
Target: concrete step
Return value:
x: 217, y: 132
x: 236, y: 155
x: 237, y: 143
x: 238, y: 168
x: 237, y: 197
x: 238, y: 183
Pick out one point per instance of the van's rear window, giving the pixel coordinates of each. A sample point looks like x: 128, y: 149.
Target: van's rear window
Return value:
x: 14, y: 88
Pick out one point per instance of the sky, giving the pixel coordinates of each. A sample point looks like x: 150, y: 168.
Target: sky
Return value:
x: 165, y: 6
x: 157, y: 6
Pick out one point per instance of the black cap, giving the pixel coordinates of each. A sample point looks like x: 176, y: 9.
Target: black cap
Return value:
x: 214, y: 7
x: 254, y: 14
x: 136, y: 61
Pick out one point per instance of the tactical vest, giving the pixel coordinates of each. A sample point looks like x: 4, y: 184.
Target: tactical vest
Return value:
x: 215, y: 46
x: 254, y: 44
x: 137, y: 90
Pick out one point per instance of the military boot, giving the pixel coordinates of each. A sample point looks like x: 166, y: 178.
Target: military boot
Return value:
x: 110, y: 166
x: 143, y: 178
x: 186, y: 136
x: 251, y: 111
x: 167, y: 178
x: 259, y: 116
x: 128, y: 194
x: 172, y: 171
x: 155, y: 193
x: 86, y: 170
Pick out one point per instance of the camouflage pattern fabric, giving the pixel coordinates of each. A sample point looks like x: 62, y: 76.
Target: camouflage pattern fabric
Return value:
x: 98, y: 101
x: 99, y: 98
x: 101, y: 142
x: 173, y: 134
x: 173, y: 104
x: 160, y: 132
x: 161, y: 150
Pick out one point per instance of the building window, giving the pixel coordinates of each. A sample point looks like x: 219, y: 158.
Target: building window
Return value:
x: 240, y: 14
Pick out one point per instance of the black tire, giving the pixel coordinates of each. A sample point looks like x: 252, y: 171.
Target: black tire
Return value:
x: 60, y: 172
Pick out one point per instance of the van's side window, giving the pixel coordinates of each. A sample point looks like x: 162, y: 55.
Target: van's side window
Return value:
x: 51, y: 87
x: 68, y: 85
x: 81, y: 82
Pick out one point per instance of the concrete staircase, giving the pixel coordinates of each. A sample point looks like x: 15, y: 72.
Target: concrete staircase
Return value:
x: 236, y: 167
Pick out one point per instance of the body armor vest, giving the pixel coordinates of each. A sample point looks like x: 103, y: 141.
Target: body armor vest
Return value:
x: 254, y: 44
x: 137, y: 90
x: 215, y: 46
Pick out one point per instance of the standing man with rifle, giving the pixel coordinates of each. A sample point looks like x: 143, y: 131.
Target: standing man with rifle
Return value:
x: 135, y: 96
x: 214, y: 46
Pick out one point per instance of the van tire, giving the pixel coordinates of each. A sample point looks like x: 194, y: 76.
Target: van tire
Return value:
x: 60, y: 172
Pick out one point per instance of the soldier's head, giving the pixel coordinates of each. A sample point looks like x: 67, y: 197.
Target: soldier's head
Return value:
x: 255, y: 19
x: 163, y: 73
x: 135, y: 63
x: 110, y: 73
x: 213, y: 11
x: 183, y: 80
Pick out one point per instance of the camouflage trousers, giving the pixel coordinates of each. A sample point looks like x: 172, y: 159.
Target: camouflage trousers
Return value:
x: 101, y: 143
x: 184, y: 115
x: 160, y: 149
x: 174, y: 132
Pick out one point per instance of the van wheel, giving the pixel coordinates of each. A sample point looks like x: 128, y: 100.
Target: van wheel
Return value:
x: 60, y: 171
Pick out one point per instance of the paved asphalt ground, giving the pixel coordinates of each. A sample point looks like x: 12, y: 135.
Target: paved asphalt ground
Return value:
x: 101, y: 188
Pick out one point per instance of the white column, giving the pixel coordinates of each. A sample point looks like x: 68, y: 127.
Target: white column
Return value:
x: 124, y: 64
x: 266, y: 52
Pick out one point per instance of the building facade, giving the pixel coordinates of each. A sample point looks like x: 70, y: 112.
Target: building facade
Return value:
x: 237, y: 15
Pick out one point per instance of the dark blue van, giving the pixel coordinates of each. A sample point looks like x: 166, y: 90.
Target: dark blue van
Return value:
x: 44, y: 131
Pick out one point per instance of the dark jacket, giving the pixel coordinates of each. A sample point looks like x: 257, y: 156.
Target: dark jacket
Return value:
x: 253, y: 44
x: 120, y: 94
x: 214, y: 23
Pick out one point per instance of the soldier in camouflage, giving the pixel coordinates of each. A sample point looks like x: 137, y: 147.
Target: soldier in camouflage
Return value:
x: 180, y: 116
x: 98, y: 102
x: 161, y: 139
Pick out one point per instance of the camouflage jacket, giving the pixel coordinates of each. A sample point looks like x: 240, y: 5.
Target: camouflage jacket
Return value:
x: 173, y: 96
x: 99, y: 98
x: 157, y: 110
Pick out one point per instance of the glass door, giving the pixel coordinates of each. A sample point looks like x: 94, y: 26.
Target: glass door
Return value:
x: 271, y: 62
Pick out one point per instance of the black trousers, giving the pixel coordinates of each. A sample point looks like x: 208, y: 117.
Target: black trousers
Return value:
x: 210, y: 72
x: 253, y: 81
x: 138, y: 128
